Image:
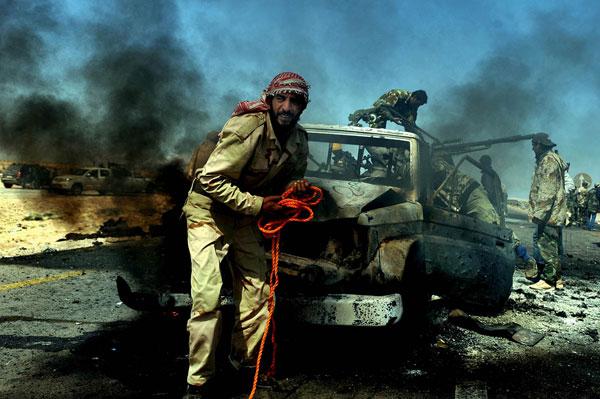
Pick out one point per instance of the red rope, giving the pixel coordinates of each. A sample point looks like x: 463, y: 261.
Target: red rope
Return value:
x: 301, y: 203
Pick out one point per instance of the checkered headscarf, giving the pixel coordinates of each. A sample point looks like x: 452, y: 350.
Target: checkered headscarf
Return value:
x: 285, y: 82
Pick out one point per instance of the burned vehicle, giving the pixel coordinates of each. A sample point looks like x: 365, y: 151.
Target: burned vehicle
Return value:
x: 379, y: 243
x: 378, y: 239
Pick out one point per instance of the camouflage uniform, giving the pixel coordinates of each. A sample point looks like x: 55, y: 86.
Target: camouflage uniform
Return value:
x: 582, y: 199
x: 593, y: 206
x: 462, y: 193
x: 547, y: 201
x: 247, y: 164
x: 389, y: 107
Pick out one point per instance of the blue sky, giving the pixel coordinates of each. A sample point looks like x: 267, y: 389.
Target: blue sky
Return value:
x: 491, y: 68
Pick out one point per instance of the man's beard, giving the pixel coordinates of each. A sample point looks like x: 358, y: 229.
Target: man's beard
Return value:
x: 292, y: 121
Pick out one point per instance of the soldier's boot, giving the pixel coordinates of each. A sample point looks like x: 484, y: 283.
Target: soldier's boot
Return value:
x: 541, y: 286
x: 531, y: 272
x: 206, y: 391
x: 560, y: 284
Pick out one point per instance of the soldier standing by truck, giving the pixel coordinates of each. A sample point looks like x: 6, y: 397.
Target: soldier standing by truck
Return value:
x: 261, y: 149
x: 547, y: 201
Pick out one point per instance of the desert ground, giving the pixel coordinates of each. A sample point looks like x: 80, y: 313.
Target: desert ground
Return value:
x: 66, y: 334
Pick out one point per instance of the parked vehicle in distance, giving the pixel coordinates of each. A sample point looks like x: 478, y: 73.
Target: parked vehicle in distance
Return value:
x: 27, y: 176
x: 102, y: 180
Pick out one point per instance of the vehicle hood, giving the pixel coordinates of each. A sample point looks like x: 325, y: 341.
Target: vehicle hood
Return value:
x: 348, y: 199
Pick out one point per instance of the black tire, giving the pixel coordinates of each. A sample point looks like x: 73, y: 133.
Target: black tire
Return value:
x: 8, y: 185
x: 76, y: 189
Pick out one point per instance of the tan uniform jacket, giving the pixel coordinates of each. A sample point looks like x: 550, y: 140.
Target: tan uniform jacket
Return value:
x: 201, y: 154
x: 247, y: 164
x: 547, y: 196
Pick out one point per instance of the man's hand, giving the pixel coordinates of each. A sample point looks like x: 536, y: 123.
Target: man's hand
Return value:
x: 271, y: 207
x: 299, y: 186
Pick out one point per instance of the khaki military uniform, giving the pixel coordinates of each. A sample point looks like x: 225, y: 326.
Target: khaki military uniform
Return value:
x: 462, y: 193
x: 201, y: 154
x: 247, y: 164
x: 547, y: 201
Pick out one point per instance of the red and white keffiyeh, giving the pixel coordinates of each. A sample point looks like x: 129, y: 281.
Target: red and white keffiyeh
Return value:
x: 285, y: 82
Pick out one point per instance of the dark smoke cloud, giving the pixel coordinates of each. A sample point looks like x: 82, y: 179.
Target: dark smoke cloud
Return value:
x: 40, y: 124
x: 521, y: 88
x: 22, y: 47
x: 143, y: 99
x: 149, y: 96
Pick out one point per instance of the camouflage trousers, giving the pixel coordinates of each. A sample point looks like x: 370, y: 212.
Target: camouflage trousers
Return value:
x: 208, y: 243
x: 547, y: 251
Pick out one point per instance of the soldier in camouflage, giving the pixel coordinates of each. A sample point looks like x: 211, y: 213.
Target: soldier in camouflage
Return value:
x: 593, y: 206
x: 581, y: 197
x: 461, y: 193
x: 260, y: 150
x: 399, y: 106
x: 548, y: 209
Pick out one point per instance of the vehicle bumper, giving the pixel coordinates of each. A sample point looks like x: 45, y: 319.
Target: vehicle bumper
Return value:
x: 60, y: 186
x: 345, y: 309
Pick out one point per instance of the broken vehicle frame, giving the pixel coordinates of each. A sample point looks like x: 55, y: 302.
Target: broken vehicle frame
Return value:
x: 377, y: 241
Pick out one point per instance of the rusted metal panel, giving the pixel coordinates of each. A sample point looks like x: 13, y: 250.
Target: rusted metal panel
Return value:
x: 399, y: 213
x: 389, y: 262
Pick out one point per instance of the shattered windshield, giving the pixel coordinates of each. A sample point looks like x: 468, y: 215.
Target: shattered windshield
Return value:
x: 354, y: 158
x: 79, y: 172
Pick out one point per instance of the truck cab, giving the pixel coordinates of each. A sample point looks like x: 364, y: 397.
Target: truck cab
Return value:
x: 378, y: 239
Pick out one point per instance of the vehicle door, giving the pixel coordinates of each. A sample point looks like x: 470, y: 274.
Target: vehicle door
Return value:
x: 103, y: 180
x: 91, y: 181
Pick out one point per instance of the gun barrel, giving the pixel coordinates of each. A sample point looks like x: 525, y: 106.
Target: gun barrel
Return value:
x: 459, y: 148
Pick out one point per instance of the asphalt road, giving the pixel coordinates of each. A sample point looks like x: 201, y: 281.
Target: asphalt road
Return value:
x: 64, y: 334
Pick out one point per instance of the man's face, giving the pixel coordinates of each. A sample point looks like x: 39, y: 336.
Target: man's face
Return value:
x: 537, y: 148
x: 286, y: 109
x: 414, y: 101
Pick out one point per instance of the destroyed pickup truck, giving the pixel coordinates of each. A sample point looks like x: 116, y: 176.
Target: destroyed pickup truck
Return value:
x: 102, y: 180
x: 378, y: 243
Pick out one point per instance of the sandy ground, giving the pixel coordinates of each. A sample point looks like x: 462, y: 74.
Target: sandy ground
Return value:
x: 33, y: 221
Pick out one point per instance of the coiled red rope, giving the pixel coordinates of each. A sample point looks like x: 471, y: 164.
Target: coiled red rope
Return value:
x: 301, y: 203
